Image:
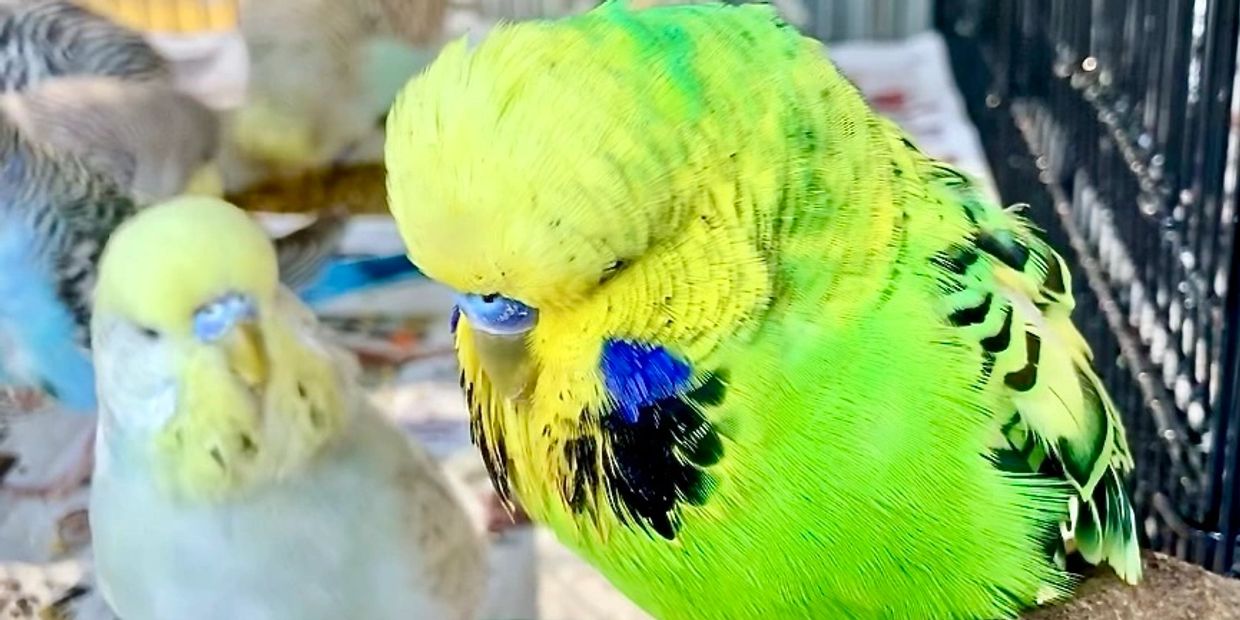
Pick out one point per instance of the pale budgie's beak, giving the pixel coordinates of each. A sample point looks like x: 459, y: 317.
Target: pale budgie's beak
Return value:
x: 231, y: 322
x: 501, y: 326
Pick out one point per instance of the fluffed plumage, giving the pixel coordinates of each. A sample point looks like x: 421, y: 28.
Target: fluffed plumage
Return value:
x: 738, y: 341
x: 270, y: 488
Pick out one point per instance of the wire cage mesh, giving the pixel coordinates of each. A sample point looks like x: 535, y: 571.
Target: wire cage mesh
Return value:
x: 1115, y: 121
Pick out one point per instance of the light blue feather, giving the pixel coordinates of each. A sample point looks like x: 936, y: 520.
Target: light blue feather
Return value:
x: 41, y: 328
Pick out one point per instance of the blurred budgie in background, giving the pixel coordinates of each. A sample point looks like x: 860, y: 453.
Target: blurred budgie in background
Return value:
x: 82, y: 83
x: 45, y: 39
x: 56, y: 212
x: 323, y: 74
x: 268, y: 485
x: 737, y: 341
x: 150, y: 138
x: 81, y: 152
x: 56, y: 215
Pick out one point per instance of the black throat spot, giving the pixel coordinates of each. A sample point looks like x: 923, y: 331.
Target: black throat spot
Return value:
x: 651, y: 467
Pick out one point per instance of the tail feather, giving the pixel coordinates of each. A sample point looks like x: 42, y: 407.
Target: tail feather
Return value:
x: 304, y: 253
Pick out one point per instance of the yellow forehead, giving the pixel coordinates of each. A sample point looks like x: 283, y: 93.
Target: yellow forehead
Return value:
x: 519, y: 168
x: 529, y: 164
x: 172, y: 258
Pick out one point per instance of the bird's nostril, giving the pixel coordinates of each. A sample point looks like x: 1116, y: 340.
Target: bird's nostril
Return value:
x: 490, y: 297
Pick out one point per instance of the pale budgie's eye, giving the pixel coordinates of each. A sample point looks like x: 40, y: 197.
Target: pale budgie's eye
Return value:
x: 497, y: 314
x: 216, y: 318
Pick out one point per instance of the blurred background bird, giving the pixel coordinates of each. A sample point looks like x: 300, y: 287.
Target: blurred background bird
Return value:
x: 225, y: 409
x: 45, y: 39
x: 56, y: 213
x: 77, y: 155
x: 148, y: 137
x: 82, y: 151
x: 322, y: 75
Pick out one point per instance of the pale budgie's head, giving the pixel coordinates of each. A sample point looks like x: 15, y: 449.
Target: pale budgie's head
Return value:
x: 606, y: 194
x: 198, y: 360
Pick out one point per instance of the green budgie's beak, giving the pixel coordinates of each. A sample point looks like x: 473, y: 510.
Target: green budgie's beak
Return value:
x: 501, y: 325
x: 506, y: 361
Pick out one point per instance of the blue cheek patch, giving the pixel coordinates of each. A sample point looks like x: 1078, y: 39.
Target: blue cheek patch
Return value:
x: 638, y: 375
x: 454, y: 319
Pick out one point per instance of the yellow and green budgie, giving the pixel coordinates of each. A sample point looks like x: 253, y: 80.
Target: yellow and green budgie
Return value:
x: 738, y: 342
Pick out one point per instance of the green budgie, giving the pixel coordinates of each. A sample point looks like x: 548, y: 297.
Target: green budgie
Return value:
x: 241, y: 472
x: 737, y: 341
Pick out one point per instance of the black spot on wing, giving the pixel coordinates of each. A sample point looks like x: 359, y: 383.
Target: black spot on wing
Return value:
x: 988, y: 367
x: 1054, y: 276
x: 1000, y: 340
x: 955, y: 259
x: 951, y: 177
x: 972, y: 315
x: 1003, y: 246
x: 1023, y: 380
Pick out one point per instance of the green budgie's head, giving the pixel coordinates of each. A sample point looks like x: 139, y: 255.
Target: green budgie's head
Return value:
x: 616, y: 176
x: 199, y: 368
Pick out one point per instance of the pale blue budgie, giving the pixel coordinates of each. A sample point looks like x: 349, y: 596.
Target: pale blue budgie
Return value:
x: 56, y: 213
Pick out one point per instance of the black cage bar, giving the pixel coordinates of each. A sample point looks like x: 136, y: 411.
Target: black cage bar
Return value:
x: 1114, y: 121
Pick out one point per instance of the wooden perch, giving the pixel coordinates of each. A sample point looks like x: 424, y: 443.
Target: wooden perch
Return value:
x: 359, y: 188
x: 1170, y: 590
